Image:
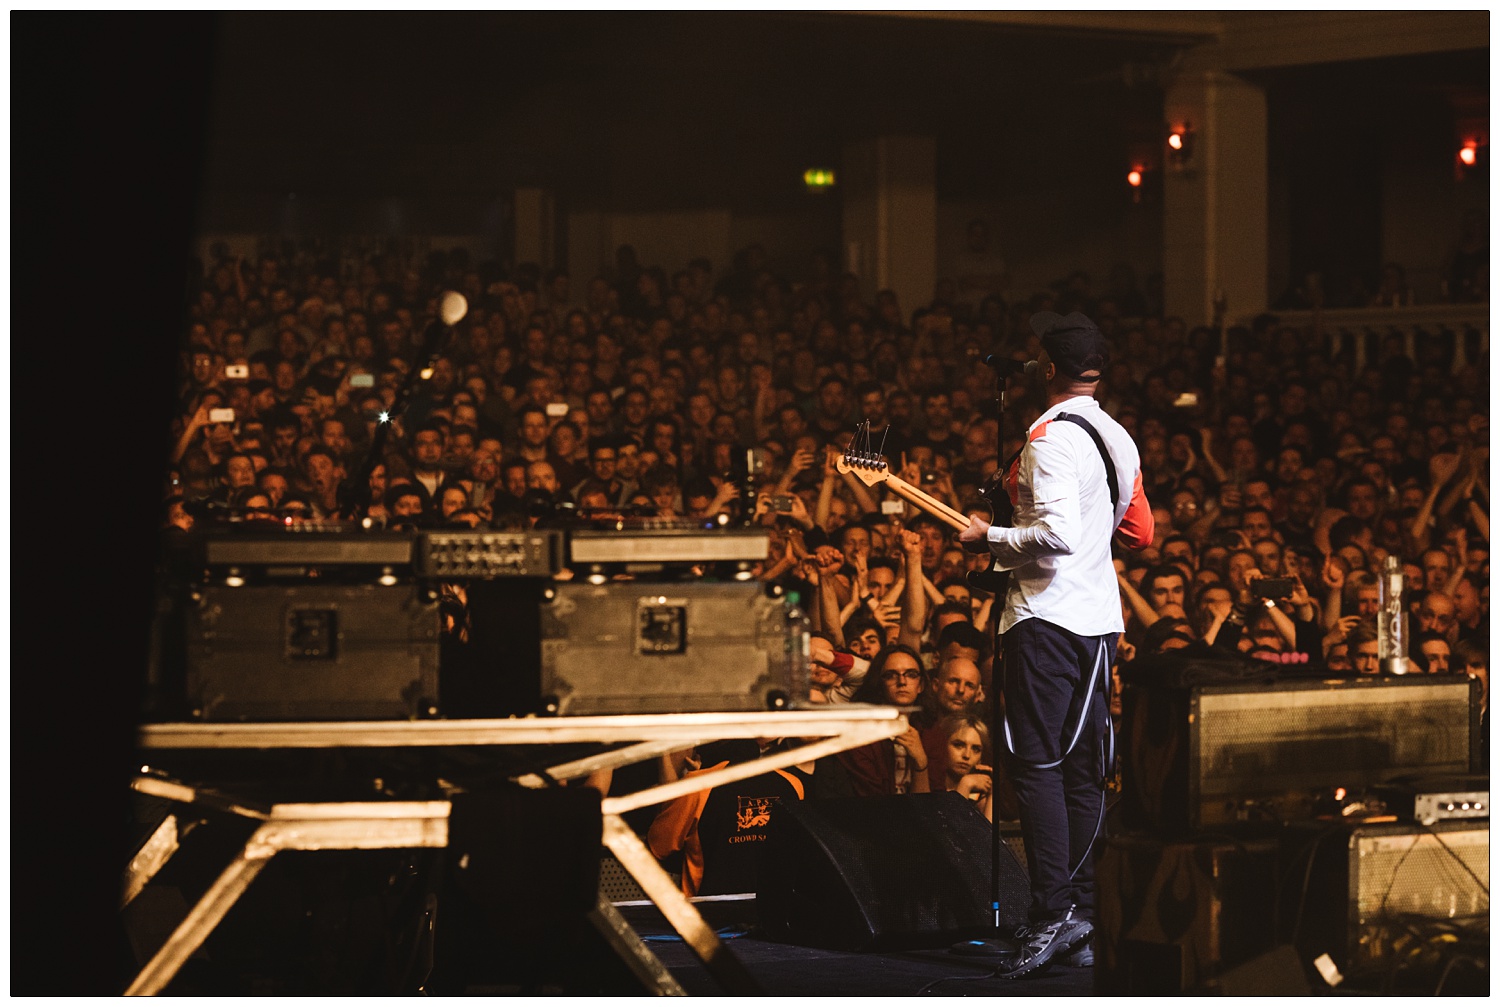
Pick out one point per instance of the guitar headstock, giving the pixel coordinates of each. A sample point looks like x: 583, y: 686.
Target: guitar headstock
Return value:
x: 868, y: 465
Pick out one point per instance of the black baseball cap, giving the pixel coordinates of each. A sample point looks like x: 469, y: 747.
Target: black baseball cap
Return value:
x: 1074, y: 343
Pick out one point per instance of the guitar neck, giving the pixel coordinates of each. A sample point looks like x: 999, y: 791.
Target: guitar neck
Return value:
x: 930, y: 504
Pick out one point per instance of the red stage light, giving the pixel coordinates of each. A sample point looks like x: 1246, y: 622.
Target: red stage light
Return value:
x: 1134, y: 178
x: 1469, y: 153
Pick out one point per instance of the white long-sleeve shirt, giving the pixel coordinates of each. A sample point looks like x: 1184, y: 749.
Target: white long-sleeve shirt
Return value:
x: 1058, y: 547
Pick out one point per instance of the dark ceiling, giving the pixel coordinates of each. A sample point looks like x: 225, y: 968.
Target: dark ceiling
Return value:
x: 646, y: 110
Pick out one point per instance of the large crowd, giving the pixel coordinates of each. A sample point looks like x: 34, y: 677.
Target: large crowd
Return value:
x: 1284, y: 482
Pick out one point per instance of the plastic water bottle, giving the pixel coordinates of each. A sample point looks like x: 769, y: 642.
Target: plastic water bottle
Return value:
x: 1391, y: 622
x: 798, y: 646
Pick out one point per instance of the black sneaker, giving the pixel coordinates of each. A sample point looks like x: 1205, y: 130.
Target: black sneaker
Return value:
x: 1041, y: 943
x: 1080, y: 956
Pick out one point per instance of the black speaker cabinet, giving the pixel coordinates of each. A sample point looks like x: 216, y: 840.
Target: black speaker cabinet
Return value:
x: 312, y: 652
x: 1201, y: 754
x: 1375, y: 893
x: 1176, y: 915
x: 882, y: 873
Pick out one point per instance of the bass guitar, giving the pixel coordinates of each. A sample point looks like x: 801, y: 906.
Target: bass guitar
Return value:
x: 870, y: 467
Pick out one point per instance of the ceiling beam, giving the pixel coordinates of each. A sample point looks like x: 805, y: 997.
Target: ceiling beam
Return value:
x: 1170, y: 26
x: 1254, y: 40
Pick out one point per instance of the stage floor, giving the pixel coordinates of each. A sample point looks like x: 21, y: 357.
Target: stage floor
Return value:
x: 791, y: 970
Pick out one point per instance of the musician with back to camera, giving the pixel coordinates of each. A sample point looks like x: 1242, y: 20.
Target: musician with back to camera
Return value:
x: 1060, y: 624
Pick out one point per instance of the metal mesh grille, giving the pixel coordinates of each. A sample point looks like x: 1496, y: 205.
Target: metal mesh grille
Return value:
x: 1275, y: 741
x: 1409, y: 889
x: 615, y: 883
x: 1420, y: 874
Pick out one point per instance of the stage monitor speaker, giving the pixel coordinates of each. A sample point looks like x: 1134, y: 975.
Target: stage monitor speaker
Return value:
x: 884, y: 873
x: 1205, y: 745
x: 1389, y: 897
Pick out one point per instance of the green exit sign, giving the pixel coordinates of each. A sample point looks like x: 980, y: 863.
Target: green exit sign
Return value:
x: 818, y: 179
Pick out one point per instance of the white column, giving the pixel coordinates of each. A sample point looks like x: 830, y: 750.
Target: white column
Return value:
x: 890, y: 216
x: 1215, y: 221
x: 535, y: 227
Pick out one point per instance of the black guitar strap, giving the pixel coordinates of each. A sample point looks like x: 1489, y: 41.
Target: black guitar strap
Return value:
x: 1109, y: 464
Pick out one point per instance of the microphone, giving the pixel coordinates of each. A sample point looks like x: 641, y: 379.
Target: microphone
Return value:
x: 452, y: 307
x: 1005, y: 365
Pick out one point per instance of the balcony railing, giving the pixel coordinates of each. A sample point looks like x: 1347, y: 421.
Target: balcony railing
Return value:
x: 1467, y: 326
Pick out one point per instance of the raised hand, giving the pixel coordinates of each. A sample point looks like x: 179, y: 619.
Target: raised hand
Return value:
x: 728, y: 490
x: 860, y: 557
x: 1219, y: 609
x: 828, y: 559
x: 1333, y: 573
x: 1442, y: 468
x: 796, y: 545
x: 1252, y: 575
x: 819, y: 650
x: 799, y: 512
x: 1344, y: 627
x: 911, y: 472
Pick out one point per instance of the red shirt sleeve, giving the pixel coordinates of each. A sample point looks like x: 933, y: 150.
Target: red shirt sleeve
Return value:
x: 1138, y: 526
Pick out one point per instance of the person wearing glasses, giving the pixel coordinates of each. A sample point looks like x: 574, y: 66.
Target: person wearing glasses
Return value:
x: 897, y: 765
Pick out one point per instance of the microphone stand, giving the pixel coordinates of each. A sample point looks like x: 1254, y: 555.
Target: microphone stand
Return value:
x: 1003, y: 368
x: 996, y: 605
